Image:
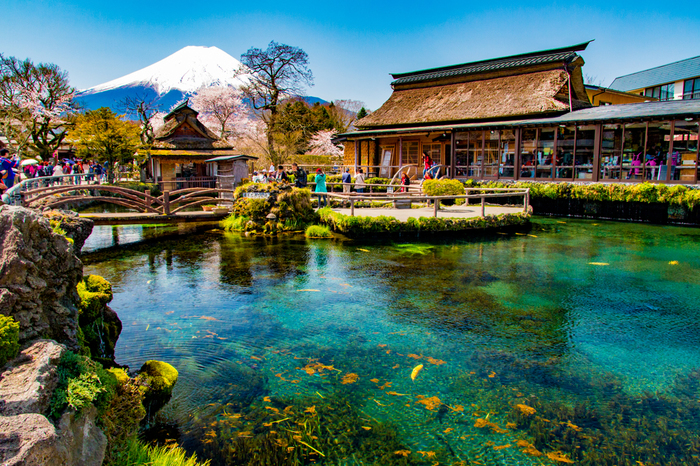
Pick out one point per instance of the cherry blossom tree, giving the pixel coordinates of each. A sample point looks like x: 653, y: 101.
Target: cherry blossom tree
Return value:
x: 36, y: 105
x: 321, y: 144
x: 222, y: 109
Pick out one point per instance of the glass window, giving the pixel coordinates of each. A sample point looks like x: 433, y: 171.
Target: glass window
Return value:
x: 658, y: 143
x: 691, y: 89
x: 491, y: 154
x: 461, y: 154
x: 633, y: 151
x: 475, y: 153
x: 565, y: 152
x: 610, y: 152
x: 685, y: 151
x: 433, y: 151
x: 528, y: 148
x: 545, y: 153
x: 663, y: 92
x: 410, y: 153
x: 585, y: 142
x: 506, y: 157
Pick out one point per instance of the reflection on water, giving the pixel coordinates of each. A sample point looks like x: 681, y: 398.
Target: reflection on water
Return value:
x: 577, y: 342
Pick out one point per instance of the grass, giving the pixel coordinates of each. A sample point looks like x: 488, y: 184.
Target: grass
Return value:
x: 318, y: 231
x: 139, y: 453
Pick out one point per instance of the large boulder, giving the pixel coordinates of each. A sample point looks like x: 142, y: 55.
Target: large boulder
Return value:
x: 29, y: 380
x: 27, y: 437
x: 39, y: 273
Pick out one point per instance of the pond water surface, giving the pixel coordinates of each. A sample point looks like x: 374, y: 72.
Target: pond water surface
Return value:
x: 576, y: 342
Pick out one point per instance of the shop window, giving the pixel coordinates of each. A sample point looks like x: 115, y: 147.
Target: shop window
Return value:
x: 433, y: 150
x: 564, y: 161
x: 633, y: 150
x: 491, y: 154
x: 658, y: 143
x: 691, y: 89
x: 528, y: 149
x: 663, y: 92
x: 545, y: 154
x: 506, y: 156
x: 461, y: 154
x: 611, y: 152
x: 684, y: 154
x: 583, y: 160
x: 411, y: 154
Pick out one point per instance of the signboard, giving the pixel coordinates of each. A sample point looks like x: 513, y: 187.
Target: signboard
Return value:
x: 389, y: 189
x: 257, y: 195
x: 386, y: 162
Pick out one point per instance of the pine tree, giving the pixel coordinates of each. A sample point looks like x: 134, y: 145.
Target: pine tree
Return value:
x: 362, y: 113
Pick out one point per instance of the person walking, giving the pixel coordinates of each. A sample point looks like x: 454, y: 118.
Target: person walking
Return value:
x: 360, y: 181
x: 405, y: 182
x: 347, y: 184
x: 321, y: 188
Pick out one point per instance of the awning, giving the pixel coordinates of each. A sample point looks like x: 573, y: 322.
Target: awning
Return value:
x: 225, y: 158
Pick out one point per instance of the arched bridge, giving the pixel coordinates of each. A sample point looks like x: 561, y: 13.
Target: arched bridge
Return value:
x: 57, y: 191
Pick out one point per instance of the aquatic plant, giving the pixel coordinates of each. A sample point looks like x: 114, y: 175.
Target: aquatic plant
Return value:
x: 234, y: 223
x: 9, y: 339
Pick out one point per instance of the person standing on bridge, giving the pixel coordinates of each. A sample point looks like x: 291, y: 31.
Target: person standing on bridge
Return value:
x: 6, y: 168
x: 321, y: 188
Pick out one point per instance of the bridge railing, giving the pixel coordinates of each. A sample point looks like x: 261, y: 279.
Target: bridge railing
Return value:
x: 13, y: 196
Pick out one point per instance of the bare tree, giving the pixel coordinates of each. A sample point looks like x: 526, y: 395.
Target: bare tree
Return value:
x: 145, y: 108
x: 279, y: 72
x: 36, y: 105
x: 593, y: 80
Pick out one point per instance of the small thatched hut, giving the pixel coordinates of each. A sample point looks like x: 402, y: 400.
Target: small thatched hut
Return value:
x: 182, y: 147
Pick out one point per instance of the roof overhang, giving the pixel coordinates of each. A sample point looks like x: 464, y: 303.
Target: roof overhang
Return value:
x: 226, y: 158
x: 645, y: 111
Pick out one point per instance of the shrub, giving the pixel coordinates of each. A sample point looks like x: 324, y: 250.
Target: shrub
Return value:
x: 81, y: 381
x: 318, y: 231
x: 9, y: 339
x: 443, y: 188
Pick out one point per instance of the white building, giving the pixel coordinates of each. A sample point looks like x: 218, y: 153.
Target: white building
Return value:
x: 675, y: 81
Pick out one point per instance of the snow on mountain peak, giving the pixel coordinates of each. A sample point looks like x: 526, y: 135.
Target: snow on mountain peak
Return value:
x: 187, y: 70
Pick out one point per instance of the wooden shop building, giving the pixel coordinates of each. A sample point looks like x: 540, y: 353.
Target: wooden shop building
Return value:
x: 523, y: 117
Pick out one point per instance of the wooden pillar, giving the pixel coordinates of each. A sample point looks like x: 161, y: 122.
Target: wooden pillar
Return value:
x: 400, y: 152
x: 670, y: 150
x: 356, y: 155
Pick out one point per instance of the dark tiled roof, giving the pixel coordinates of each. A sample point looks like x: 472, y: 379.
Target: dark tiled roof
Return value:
x: 676, y: 71
x: 566, y: 54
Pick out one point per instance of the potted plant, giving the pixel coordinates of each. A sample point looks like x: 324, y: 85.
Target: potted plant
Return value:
x: 208, y: 207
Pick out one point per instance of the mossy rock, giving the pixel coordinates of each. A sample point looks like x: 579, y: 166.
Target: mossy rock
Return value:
x: 120, y: 374
x: 160, y: 379
x: 9, y: 339
x: 99, y: 325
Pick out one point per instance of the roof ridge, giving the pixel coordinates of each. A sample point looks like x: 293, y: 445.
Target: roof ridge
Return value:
x: 571, y: 48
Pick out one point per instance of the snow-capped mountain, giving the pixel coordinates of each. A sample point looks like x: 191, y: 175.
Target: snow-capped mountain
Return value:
x: 168, y: 80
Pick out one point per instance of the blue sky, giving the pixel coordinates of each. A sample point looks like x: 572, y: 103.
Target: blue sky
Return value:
x: 352, y: 46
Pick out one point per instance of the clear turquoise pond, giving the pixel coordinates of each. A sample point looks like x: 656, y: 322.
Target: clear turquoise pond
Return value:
x: 578, y: 342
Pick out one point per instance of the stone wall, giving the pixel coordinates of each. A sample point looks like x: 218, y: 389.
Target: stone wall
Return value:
x: 39, y: 272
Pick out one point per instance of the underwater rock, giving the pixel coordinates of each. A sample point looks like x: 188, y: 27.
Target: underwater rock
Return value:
x: 160, y: 378
x: 38, y: 276
x: 100, y: 326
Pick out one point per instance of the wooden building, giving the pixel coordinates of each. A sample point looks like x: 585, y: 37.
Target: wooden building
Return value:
x: 181, y: 149
x: 523, y: 117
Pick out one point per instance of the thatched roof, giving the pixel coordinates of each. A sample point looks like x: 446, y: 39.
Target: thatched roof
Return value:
x: 183, y: 130
x: 504, y: 97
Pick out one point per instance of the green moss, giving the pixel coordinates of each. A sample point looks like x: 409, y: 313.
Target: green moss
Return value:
x: 120, y: 420
x: 99, y: 330
x: 159, y: 380
x: 9, y: 339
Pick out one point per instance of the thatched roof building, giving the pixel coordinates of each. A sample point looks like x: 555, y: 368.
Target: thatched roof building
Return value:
x: 531, y: 84
x: 181, y: 147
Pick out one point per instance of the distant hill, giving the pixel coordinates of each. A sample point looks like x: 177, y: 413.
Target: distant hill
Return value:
x: 170, y: 80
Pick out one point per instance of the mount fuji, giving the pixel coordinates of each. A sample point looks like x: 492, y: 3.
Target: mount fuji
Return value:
x: 170, y: 80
